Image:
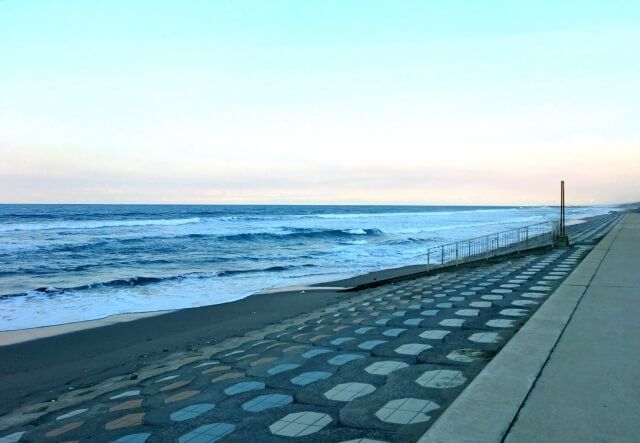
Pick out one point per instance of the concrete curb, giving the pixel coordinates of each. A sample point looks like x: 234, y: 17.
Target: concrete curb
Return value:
x: 486, y: 409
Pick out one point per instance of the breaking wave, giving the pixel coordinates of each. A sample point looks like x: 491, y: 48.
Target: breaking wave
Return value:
x: 93, y: 224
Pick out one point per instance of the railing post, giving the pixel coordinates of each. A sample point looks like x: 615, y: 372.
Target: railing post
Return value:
x: 486, y: 247
x: 495, y: 244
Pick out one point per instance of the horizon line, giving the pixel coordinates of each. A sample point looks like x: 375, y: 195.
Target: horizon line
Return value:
x: 321, y: 204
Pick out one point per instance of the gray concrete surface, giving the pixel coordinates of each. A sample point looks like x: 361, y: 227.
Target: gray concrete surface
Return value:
x: 571, y: 373
x: 590, y: 390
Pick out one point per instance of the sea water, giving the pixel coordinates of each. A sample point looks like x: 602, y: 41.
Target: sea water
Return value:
x: 67, y: 263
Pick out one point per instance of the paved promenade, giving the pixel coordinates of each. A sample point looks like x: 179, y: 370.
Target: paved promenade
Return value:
x: 571, y: 373
x: 384, y: 364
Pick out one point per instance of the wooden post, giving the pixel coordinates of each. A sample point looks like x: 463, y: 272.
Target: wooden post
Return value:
x: 562, y: 231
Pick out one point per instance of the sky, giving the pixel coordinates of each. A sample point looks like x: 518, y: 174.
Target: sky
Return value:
x: 319, y: 102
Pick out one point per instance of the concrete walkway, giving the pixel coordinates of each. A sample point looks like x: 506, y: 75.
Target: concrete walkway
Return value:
x: 571, y: 373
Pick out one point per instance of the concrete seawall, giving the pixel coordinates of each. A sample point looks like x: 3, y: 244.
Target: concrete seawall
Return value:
x: 570, y: 373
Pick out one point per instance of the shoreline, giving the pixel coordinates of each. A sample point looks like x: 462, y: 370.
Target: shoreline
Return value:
x: 15, y: 336
x: 21, y: 334
x: 44, y: 367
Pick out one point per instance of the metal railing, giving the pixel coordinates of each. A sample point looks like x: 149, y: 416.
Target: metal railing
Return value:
x: 492, y: 245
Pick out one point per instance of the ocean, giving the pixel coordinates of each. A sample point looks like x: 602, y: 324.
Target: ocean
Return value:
x: 68, y: 263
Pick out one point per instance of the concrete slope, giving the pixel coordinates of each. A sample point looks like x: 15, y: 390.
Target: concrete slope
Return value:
x: 571, y: 372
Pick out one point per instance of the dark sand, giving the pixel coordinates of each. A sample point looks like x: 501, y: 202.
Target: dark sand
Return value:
x: 42, y: 369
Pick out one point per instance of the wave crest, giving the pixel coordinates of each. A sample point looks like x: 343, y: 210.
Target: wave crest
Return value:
x: 302, y: 233
x: 94, y: 224
x: 142, y: 280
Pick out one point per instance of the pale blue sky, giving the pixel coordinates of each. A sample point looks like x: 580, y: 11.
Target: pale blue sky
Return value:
x: 319, y: 102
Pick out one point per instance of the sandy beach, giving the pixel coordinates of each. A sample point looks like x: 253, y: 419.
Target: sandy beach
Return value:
x: 44, y: 367
x: 39, y: 370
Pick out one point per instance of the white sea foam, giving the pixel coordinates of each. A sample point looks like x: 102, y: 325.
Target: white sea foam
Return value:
x: 407, y: 214
x: 53, y: 307
x: 93, y: 224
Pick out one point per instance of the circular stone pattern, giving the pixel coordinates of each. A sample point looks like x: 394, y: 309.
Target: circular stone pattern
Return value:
x: 394, y: 332
x: 434, y: 334
x: 480, y: 304
x: 524, y: 302
x: 385, y: 367
x: 130, y: 438
x: 465, y: 355
x: 209, y: 433
x: 430, y: 312
x: 485, y: 337
x: 70, y: 414
x: 514, y: 312
x: 501, y: 323
x: 540, y: 288
x: 405, y: 411
x: 492, y: 297
x: 282, y: 368
x: 452, y: 322
x: 533, y: 295
x: 349, y: 391
x: 264, y: 402
x: 191, y: 411
x: 441, y: 379
x: 309, y: 377
x: 370, y: 344
x: 300, y: 423
x: 314, y: 352
x: 244, y: 386
x: 340, y: 360
x: 467, y: 312
x: 412, y: 348
x: 339, y: 341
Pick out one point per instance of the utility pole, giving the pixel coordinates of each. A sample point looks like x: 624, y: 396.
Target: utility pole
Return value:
x: 562, y: 239
x: 562, y: 231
